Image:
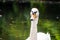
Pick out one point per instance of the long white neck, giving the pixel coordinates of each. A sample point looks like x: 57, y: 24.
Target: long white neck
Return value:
x: 33, y: 31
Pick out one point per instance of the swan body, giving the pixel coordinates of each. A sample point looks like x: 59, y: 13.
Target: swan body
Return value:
x: 41, y: 36
x: 34, y: 35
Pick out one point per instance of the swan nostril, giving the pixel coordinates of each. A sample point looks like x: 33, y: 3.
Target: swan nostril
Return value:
x: 31, y: 19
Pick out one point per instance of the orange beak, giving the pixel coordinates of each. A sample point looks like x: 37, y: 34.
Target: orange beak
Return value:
x: 34, y: 15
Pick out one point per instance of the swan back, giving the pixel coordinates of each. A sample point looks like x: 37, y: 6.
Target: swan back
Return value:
x: 43, y: 36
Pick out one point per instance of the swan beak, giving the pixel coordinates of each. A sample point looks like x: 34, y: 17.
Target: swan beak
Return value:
x: 34, y: 15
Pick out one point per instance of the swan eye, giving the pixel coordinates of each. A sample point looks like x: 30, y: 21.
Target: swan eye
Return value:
x: 34, y: 12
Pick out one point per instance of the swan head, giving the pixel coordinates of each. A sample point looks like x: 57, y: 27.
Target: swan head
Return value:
x: 34, y: 14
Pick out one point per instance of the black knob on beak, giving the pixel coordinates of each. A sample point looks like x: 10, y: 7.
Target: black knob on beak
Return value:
x: 31, y: 19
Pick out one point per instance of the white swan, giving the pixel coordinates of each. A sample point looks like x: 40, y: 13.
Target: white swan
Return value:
x: 33, y: 31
